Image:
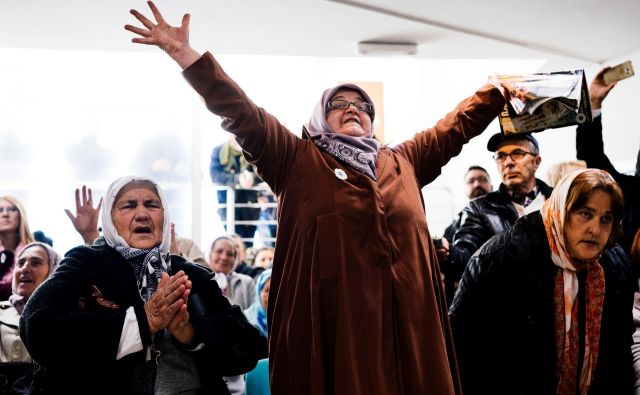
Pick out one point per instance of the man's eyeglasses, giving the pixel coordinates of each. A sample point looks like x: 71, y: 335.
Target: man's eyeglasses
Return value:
x: 339, y: 104
x: 515, y: 155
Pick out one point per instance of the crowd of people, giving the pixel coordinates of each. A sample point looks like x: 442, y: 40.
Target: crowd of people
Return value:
x: 530, y: 290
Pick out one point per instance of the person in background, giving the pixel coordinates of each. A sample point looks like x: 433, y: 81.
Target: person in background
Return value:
x: 39, y: 235
x: 266, y: 232
x: 590, y: 148
x: 228, y: 167
x: 356, y: 304
x: 257, y: 312
x: 264, y: 258
x: 14, y: 235
x: 559, y: 170
x: 124, y: 316
x: 238, y: 288
x: 35, y: 263
x: 478, y: 183
x: 186, y: 248
x: 545, y: 307
x: 517, y: 157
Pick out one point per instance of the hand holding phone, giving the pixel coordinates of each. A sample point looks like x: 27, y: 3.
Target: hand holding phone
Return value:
x: 619, y: 72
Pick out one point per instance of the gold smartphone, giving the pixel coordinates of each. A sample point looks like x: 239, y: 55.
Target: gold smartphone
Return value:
x: 619, y: 72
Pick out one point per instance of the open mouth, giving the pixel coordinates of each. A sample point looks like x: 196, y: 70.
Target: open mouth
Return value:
x: 25, y: 280
x: 142, y: 229
x: 352, y: 120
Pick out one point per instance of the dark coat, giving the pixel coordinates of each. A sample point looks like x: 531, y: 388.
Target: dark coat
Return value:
x: 73, y: 322
x: 590, y: 148
x: 503, y: 322
x: 356, y: 303
x: 483, y: 218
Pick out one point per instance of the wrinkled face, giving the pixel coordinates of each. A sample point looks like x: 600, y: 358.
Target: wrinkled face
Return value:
x: 31, y: 270
x: 9, y: 217
x: 478, y: 183
x: 264, y: 293
x: 263, y: 259
x: 520, y: 174
x: 589, y: 227
x: 138, y: 216
x: 223, y: 256
x: 349, y: 121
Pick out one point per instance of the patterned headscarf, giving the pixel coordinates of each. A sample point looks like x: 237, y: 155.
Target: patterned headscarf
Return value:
x: 358, y: 152
x: 147, y: 264
x: 18, y: 301
x: 566, y: 289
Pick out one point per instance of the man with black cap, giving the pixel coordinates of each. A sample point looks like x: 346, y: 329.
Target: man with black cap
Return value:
x: 518, y: 158
x: 590, y: 148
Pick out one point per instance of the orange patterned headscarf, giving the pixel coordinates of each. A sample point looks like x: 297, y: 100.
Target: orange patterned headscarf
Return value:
x: 566, y: 289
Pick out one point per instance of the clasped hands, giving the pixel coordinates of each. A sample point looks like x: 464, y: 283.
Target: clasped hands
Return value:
x: 167, y: 307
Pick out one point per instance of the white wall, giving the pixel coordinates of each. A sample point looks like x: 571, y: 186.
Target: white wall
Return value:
x: 52, y: 101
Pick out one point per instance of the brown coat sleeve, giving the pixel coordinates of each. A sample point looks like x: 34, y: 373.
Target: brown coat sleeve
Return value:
x: 431, y: 149
x: 263, y: 139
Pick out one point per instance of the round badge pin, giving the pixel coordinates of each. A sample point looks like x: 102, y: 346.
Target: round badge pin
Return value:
x: 340, y: 174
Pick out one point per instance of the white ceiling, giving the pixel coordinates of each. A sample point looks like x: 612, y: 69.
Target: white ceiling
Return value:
x: 587, y: 31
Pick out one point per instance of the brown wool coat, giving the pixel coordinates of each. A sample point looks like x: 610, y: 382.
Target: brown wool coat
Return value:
x: 356, y: 303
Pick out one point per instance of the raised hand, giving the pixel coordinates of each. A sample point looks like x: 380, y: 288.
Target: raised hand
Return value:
x: 172, y: 293
x: 598, y: 90
x: 173, y: 40
x: 86, y: 219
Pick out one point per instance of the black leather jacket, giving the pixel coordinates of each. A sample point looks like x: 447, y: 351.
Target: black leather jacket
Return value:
x: 502, y: 317
x: 483, y: 218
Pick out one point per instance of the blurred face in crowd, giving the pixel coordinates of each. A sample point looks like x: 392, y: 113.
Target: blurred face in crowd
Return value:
x: 589, y: 227
x: 9, y: 217
x: 349, y: 121
x: 32, y: 268
x: 263, y: 258
x: 518, y: 170
x: 223, y: 256
x: 478, y: 183
x: 138, y: 216
x: 264, y: 293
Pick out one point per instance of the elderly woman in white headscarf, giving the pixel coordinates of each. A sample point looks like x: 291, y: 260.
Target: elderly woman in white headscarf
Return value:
x: 123, y: 316
x: 35, y: 263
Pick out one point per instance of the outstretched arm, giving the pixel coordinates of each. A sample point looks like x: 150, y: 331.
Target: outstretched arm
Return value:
x: 589, y: 141
x: 86, y: 219
x: 173, y: 40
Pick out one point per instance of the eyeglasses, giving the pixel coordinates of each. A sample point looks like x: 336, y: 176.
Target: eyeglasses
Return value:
x: 339, y: 104
x: 515, y: 155
x: 9, y: 209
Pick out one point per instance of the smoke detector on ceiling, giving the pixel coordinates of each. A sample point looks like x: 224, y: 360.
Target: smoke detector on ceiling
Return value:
x: 387, y: 48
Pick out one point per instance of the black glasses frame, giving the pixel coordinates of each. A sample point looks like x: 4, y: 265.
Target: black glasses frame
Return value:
x: 344, y: 104
x: 515, y: 155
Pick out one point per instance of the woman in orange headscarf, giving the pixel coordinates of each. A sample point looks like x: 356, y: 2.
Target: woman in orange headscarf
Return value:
x: 545, y: 307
